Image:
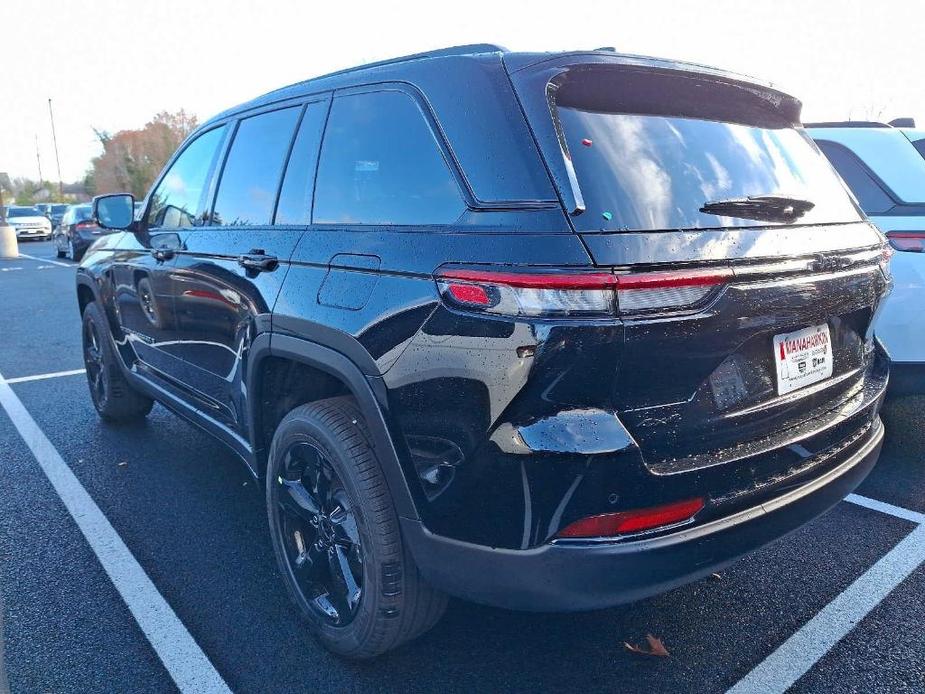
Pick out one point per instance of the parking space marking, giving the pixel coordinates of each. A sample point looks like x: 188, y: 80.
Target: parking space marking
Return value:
x: 884, y: 507
x: 41, y: 377
x: 806, y: 647
x: 189, y: 667
x: 4, y: 680
x: 46, y: 260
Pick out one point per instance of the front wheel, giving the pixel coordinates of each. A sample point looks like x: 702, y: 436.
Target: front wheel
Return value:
x: 336, y: 535
x: 113, y: 397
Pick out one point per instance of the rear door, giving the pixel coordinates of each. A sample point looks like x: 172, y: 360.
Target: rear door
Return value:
x: 229, y: 272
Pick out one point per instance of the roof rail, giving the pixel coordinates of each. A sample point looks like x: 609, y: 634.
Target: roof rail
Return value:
x: 466, y: 49
x: 847, y: 124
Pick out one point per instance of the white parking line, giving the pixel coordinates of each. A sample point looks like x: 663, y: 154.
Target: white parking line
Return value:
x: 40, y: 377
x: 46, y: 260
x: 189, y: 667
x: 794, y: 658
x: 884, y: 507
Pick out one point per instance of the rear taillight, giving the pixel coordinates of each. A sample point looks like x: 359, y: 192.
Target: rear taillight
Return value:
x: 648, y: 291
x: 529, y: 294
x: 636, y: 521
x: 569, y: 293
x: 910, y: 241
x: 88, y: 226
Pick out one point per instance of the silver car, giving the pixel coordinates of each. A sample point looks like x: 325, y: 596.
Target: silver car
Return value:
x: 28, y: 222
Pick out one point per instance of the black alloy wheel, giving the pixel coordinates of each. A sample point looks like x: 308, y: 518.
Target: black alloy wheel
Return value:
x: 336, y: 534
x: 319, y: 531
x: 93, y: 361
x: 114, y: 398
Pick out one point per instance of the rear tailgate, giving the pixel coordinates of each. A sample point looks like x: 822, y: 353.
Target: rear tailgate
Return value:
x: 638, y: 151
x: 695, y: 386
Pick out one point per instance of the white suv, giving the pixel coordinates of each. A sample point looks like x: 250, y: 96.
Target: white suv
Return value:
x: 28, y: 222
x: 884, y: 166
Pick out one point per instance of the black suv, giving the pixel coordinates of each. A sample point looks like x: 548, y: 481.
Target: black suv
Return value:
x: 542, y: 331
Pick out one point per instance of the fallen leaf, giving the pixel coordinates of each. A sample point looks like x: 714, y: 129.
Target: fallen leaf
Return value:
x: 656, y: 647
x: 123, y: 463
x: 716, y: 577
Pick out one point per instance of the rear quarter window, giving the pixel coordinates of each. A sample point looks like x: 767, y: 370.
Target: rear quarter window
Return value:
x: 380, y: 164
x: 871, y: 196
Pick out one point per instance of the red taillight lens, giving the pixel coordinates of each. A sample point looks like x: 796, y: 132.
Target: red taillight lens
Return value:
x: 569, y: 293
x: 639, y: 520
x: 910, y: 241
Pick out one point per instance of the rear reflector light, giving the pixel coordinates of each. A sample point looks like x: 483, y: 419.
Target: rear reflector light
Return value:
x: 577, y: 293
x: 626, y: 522
x: 910, y: 241
x: 469, y: 294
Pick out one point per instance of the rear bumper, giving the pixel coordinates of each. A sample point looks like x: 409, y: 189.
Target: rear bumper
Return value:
x: 583, y: 576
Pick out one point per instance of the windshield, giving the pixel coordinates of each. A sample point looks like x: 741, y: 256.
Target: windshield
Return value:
x: 657, y: 168
x: 22, y: 212
x: 58, y: 209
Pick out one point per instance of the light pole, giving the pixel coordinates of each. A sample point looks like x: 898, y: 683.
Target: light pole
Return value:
x: 54, y: 138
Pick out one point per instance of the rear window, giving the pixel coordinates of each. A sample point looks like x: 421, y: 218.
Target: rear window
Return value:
x: 650, y: 151
x: 83, y: 212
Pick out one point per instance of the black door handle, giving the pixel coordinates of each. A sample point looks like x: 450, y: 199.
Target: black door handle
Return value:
x: 258, y: 261
x: 162, y: 253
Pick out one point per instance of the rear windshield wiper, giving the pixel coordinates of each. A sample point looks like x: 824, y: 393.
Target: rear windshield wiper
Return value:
x: 766, y: 208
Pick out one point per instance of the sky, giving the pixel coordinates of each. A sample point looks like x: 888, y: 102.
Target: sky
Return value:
x: 113, y: 64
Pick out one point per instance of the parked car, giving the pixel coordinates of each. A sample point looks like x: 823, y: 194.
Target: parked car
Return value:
x: 76, y: 232
x: 54, y: 212
x: 28, y: 222
x: 542, y: 331
x: 884, y: 166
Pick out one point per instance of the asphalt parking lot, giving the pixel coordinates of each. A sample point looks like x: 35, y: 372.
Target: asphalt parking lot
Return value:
x: 835, y: 607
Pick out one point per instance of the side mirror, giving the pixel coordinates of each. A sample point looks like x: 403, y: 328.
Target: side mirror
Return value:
x: 114, y: 211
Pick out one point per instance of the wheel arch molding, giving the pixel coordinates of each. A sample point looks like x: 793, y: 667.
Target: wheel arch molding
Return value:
x: 367, y: 390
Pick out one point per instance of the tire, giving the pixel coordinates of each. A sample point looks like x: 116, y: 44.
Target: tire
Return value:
x: 59, y: 252
x: 394, y: 604
x: 114, y: 399
x: 75, y: 255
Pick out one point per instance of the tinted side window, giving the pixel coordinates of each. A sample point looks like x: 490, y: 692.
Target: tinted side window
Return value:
x: 920, y: 147
x: 179, y: 200
x: 295, y: 198
x: 380, y: 164
x: 250, y: 179
x: 871, y: 196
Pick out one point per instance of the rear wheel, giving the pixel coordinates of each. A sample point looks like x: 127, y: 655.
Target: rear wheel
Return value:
x: 112, y: 396
x: 336, y: 535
